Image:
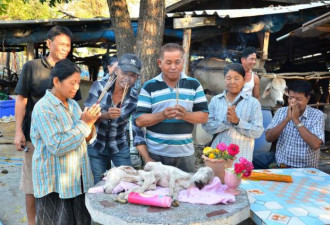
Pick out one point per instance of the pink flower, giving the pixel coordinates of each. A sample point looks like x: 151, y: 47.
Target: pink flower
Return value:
x: 250, y: 166
x: 243, y: 160
x: 222, y: 146
x: 233, y: 149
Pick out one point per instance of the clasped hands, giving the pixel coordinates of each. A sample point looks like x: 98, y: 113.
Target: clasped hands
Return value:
x: 231, y: 115
x: 293, y: 112
x: 90, y: 115
x: 178, y: 112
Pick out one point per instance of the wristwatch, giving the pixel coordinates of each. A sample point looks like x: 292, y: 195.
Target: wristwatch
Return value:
x: 299, y: 125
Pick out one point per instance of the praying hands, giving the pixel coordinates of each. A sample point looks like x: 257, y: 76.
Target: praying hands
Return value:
x: 232, y: 116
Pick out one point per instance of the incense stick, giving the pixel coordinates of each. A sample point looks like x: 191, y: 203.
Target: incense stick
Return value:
x: 124, y: 94
x: 106, y: 87
x: 177, y: 93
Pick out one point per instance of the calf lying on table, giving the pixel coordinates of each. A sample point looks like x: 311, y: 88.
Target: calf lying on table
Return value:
x: 155, y: 173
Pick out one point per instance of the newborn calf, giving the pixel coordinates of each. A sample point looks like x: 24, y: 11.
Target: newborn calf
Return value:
x: 121, y: 173
x: 176, y: 179
x: 155, y: 173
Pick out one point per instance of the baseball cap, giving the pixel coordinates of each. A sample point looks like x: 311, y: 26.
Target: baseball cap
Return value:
x: 130, y: 63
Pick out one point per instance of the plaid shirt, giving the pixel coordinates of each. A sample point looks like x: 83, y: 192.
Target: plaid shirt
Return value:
x: 291, y: 149
x: 60, y: 162
x: 113, y: 132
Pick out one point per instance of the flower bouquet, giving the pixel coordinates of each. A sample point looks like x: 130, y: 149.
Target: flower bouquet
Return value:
x: 220, y: 158
x: 234, y: 175
x: 243, y: 168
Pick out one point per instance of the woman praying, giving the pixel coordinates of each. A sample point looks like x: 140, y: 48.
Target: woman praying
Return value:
x: 60, y: 164
x: 235, y: 117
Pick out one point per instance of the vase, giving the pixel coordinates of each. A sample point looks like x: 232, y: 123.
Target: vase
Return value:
x: 218, y: 166
x: 232, y: 181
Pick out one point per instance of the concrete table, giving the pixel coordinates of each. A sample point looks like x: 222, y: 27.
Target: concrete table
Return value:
x: 105, y: 210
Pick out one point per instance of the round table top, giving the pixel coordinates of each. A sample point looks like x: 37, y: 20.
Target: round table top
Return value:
x: 105, y: 210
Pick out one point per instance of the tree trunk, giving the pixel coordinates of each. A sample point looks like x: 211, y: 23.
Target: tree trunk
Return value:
x: 120, y: 18
x: 150, y: 32
x: 150, y: 36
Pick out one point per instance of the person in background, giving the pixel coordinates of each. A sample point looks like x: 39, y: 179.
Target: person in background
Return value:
x: 299, y: 130
x: 60, y: 165
x: 248, y: 60
x: 109, y: 64
x: 111, y: 142
x: 169, y: 105
x: 235, y: 117
x: 31, y: 86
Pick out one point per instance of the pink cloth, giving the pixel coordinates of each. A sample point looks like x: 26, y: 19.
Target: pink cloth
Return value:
x: 123, y: 186
x: 94, y: 190
x: 211, y: 194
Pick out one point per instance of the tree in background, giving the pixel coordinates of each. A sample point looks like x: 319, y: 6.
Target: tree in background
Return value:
x: 4, y: 6
x: 150, y: 34
x: 84, y: 8
x: 17, y: 10
x: 146, y: 44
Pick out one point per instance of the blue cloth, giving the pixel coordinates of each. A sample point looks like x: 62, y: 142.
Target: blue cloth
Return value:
x: 171, y: 137
x: 250, y: 125
x: 291, y: 149
x: 100, y: 162
x: 60, y: 162
x: 113, y: 132
x: 262, y: 160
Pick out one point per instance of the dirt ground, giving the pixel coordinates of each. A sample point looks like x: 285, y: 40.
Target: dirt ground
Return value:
x: 12, y: 204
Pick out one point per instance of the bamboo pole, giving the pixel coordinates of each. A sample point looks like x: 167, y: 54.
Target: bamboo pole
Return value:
x: 186, y: 47
x: 265, y: 45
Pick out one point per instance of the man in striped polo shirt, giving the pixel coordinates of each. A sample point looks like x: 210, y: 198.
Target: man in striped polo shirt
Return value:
x: 168, y: 106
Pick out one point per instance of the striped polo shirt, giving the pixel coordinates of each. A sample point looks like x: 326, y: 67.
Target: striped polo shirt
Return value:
x: 171, y: 137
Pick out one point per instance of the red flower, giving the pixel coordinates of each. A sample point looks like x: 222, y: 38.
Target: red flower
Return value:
x: 247, y: 174
x: 238, y: 168
x: 233, y: 149
x: 243, y: 168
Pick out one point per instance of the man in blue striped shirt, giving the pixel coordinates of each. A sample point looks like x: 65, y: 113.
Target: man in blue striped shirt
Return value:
x: 168, y: 106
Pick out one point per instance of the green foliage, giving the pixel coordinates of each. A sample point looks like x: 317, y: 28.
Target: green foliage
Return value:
x: 34, y: 9
x: 52, y: 3
x: 86, y: 8
x: 4, y: 6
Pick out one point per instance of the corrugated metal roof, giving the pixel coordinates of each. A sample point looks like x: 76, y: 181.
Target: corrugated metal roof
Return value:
x: 318, y: 27
x: 237, y: 13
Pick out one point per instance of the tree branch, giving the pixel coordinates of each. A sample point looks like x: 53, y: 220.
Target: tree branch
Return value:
x: 67, y: 14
